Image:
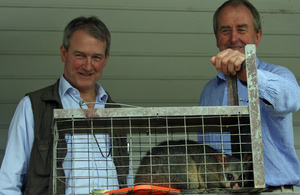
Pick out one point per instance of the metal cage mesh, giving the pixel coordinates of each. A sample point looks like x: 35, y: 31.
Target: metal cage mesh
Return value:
x: 191, y: 149
x: 89, y: 141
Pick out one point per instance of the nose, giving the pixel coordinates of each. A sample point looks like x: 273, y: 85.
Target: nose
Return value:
x: 88, y: 64
x: 235, y: 185
x: 234, y: 36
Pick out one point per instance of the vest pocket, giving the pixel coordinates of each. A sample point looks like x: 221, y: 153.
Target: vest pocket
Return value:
x: 42, y: 158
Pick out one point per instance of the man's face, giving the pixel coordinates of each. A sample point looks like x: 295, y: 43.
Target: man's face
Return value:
x: 236, y: 29
x: 84, y: 61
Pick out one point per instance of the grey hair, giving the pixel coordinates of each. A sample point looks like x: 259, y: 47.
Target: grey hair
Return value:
x: 92, y: 25
x: 236, y: 3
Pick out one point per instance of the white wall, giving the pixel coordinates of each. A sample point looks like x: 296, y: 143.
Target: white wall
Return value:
x: 160, y: 54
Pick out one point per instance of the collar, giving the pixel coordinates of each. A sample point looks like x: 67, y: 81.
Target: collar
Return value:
x: 65, y: 86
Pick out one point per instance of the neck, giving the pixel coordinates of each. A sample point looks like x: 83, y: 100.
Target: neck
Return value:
x: 89, y: 97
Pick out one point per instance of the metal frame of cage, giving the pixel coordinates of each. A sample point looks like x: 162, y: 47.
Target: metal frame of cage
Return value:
x: 131, y: 121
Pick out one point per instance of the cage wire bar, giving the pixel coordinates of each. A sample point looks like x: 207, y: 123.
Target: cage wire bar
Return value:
x: 90, y: 137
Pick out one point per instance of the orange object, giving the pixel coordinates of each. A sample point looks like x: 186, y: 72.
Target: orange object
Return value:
x: 145, y: 189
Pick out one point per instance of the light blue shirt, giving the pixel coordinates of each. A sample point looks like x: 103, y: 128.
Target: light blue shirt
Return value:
x: 278, y: 86
x: 13, y: 172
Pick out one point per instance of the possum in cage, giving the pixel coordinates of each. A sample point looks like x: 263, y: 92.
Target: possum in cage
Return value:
x: 188, y: 165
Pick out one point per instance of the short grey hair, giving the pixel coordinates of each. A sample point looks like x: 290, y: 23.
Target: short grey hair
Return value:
x: 236, y: 3
x: 92, y: 25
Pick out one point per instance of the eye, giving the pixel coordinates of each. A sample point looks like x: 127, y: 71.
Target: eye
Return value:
x: 225, y: 30
x: 98, y: 58
x: 79, y: 55
x: 242, y: 30
x: 229, y: 177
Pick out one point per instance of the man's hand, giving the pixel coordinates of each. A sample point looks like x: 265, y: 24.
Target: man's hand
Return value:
x: 230, y: 61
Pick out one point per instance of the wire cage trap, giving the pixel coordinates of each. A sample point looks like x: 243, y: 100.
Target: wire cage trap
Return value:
x: 161, y: 150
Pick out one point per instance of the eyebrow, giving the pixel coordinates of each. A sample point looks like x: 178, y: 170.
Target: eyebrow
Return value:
x: 242, y: 26
x: 76, y: 51
x: 81, y: 52
x: 238, y: 26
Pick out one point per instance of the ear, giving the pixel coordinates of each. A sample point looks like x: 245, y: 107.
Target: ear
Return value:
x: 106, y: 59
x: 222, y: 159
x: 217, y: 41
x: 63, y: 53
x: 258, y: 37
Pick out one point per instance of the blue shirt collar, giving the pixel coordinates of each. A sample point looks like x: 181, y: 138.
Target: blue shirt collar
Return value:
x: 65, y: 86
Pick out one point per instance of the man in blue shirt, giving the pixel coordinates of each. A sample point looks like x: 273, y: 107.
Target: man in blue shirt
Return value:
x: 85, y: 51
x: 237, y: 23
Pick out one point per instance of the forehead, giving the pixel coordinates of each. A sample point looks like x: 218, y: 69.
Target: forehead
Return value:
x: 84, y: 40
x: 82, y: 35
x: 234, y: 16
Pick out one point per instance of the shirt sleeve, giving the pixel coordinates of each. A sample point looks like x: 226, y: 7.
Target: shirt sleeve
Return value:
x: 13, y: 172
x: 280, y: 88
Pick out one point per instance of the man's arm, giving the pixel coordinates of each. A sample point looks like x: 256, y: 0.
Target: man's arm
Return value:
x: 279, y: 90
x: 13, y: 172
x: 278, y: 87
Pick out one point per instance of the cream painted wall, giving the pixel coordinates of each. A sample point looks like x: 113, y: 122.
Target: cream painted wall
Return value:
x: 160, y: 54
